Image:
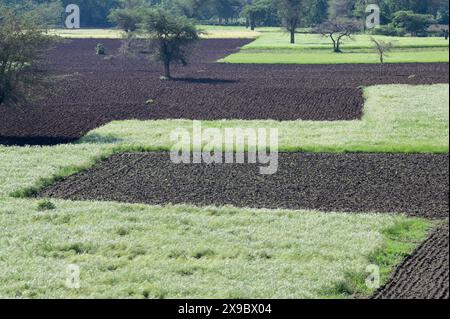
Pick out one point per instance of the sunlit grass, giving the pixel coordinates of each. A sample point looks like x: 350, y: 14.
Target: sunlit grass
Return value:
x: 140, y: 251
x: 328, y: 57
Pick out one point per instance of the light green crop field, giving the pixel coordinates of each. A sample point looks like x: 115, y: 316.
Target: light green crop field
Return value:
x: 328, y: 57
x: 273, y: 47
x: 142, y: 251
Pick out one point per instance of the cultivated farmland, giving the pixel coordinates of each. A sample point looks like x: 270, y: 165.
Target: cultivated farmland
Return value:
x: 92, y: 90
x: 86, y: 179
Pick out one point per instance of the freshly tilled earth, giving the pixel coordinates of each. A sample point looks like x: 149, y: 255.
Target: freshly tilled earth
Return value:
x: 417, y: 185
x: 88, y: 91
x: 424, y: 274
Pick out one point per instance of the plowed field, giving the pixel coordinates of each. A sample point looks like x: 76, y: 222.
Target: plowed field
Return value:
x: 89, y: 91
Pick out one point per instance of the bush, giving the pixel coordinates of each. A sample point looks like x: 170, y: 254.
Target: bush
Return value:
x: 23, y: 42
x: 389, y: 30
x: 100, y: 49
x: 45, y: 205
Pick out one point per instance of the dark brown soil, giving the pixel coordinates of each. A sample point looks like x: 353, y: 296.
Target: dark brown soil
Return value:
x: 424, y: 274
x: 413, y: 184
x: 90, y: 91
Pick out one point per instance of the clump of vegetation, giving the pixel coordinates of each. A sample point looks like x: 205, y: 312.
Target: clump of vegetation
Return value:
x: 389, y: 30
x: 100, y: 49
x: 337, y: 30
x: 22, y: 43
x: 44, y: 205
x: 414, y: 23
x: 381, y: 48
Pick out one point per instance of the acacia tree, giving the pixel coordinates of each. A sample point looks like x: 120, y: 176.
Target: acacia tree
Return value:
x: 337, y: 30
x: 22, y: 44
x: 290, y: 12
x: 170, y: 37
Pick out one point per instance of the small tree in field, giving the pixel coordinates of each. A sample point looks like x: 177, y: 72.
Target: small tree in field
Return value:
x: 22, y: 44
x: 290, y: 12
x: 337, y: 31
x: 170, y: 36
x: 381, y: 48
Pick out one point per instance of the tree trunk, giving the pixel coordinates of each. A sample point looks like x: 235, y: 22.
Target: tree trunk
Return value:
x: 167, y: 69
x: 293, y: 36
x: 337, y: 48
x: 252, y: 24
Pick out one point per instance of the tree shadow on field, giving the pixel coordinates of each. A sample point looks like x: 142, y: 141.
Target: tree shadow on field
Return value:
x: 204, y: 80
x: 34, y: 140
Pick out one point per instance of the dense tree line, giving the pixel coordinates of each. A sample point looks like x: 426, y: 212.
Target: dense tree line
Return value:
x: 94, y: 13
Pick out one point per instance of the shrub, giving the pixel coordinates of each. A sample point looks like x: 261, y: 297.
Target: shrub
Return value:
x: 100, y: 49
x: 45, y: 204
x: 389, y: 30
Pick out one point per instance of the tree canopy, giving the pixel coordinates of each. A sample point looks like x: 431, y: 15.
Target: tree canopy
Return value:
x: 170, y: 36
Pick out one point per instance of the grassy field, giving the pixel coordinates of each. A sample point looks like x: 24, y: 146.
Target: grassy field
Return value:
x: 138, y: 251
x: 328, y: 57
x: 181, y: 251
x: 273, y: 47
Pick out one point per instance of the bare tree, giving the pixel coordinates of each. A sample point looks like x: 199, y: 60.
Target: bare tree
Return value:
x: 290, y: 12
x: 381, y: 47
x: 337, y: 31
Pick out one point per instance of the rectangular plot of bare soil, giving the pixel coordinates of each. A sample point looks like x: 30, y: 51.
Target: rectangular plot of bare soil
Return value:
x: 416, y: 184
